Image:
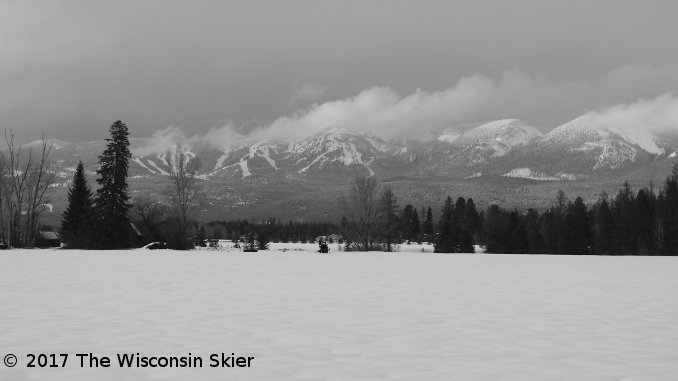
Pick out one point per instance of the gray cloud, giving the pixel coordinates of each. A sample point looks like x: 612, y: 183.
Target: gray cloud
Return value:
x: 383, y: 112
x: 306, y: 92
x: 640, y: 119
x: 73, y: 67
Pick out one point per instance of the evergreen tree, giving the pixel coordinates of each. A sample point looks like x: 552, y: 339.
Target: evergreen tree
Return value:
x: 415, y: 232
x: 603, y: 227
x: 559, y: 222
x: 200, y: 239
x: 76, y: 222
x: 250, y: 243
x: 643, y: 210
x: 388, y: 205
x: 409, y: 223
x: 427, y: 227
x: 462, y: 235
x: 112, y: 200
x: 471, y: 218
x: 493, y: 230
x: 548, y: 231
x: 625, y: 221
x: 578, y: 229
x: 444, y: 241
x: 516, y: 234
x: 263, y: 242
x: 534, y: 239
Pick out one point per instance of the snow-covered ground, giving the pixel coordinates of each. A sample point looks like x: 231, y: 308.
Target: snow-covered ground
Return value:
x: 343, y: 316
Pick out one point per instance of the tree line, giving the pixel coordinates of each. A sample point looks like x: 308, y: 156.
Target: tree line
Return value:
x: 629, y: 223
x: 270, y: 229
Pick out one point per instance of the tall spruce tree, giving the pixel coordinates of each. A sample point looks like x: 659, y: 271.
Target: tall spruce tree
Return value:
x: 112, y: 200
x: 471, y: 218
x: 444, y: 241
x: 578, y: 241
x: 415, y: 232
x: 534, y: 238
x: 622, y: 209
x: 427, y: 226
x: 603, y: 227
x: 76, y: 222
x: 493, y: 230
x: 463, y: 234
x: 409, y: 223
x: 643, y: 210
x: 388, y: 205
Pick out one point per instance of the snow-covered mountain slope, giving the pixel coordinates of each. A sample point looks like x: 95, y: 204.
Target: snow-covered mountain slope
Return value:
x: 498, y: 137
x: 338, y: 148
x: 510, y: 132
x: 611, y: 147
x: 577, y: 148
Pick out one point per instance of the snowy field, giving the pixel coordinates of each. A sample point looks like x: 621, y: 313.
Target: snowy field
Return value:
x: 343, y: 316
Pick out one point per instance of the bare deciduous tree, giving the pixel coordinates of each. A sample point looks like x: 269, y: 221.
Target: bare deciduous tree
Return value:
x: 25, y: 180
x: 360, y: 213
x: 150, y: 212
x: 184, y: 192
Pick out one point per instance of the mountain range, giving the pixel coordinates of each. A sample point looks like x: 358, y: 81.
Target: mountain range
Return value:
x: 503, y: 161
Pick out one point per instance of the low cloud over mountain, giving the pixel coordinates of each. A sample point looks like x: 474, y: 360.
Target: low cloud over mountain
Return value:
x: 421, y: 115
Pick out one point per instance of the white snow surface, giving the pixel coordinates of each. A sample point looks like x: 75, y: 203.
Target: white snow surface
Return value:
x: 527, y: 173
x: 244, y: 168
x: 160, y: 170
x: 501, y: 136
x: 617, y: 146
x: 141, y: 163
x: 343, y: 316
x: 449, y: 136
x: 511, y: 132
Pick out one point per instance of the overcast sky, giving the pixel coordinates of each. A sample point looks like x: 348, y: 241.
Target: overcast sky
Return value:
x: 71, y: 68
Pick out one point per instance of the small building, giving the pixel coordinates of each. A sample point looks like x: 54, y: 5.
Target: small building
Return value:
x: 48, y: 239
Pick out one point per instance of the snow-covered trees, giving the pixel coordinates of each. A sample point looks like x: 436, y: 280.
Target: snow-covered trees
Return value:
x: 77, y: 228
x: 112, y: 200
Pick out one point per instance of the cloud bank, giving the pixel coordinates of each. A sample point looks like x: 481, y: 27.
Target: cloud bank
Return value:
x: 383, y: 112
x: 658, y: 115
